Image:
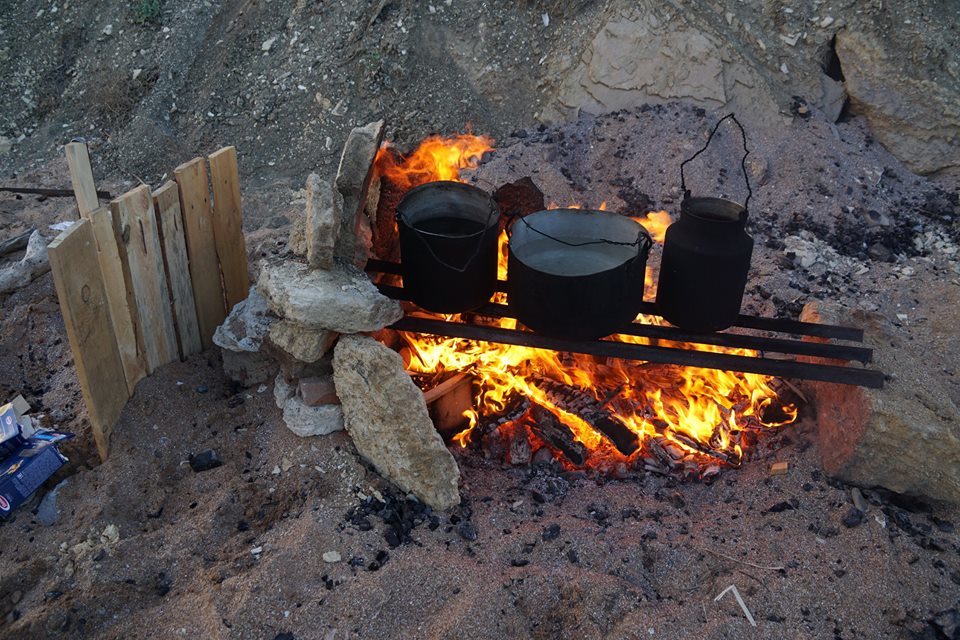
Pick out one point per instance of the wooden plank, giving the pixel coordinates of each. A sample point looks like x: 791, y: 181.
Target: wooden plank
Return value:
x: 228, y: 225
x: 86, y: 313
x: 201, y: 247
x: 81, y: 175
x: 166, y: 200
x: 135, y: 225
x: 124, y: 327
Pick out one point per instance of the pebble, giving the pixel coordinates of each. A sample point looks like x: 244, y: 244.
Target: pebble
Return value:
x: 268, y: 44
x: 858, y: 500
x: 107, y: 30
x: 331, y: 556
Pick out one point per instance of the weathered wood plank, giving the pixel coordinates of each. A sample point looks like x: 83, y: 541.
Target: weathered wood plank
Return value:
x: 166, y: 200
x: 111, y: 268
x: 81, y: 176
x: 201, y: 247
x: 135, y: 225
x: 228, y: 225
x: 86, y: 314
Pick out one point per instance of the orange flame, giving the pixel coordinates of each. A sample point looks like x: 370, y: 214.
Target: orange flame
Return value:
x: 688, y: 409
x: 437, y: 158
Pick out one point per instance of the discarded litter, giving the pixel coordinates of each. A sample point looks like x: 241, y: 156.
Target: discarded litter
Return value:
x: 29, y: 456
x: 736, y: 594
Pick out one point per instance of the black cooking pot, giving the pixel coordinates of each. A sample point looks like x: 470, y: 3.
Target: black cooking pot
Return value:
x: 575, y: 273
x: 448, y: 246
x: 706, y: 257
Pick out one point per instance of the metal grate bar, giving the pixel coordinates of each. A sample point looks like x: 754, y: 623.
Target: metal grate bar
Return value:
x: 777, y: 325
x: 648, y: 353
x: 731, y: 340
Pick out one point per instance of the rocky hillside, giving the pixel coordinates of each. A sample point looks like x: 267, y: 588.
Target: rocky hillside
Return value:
x: 152, y: 82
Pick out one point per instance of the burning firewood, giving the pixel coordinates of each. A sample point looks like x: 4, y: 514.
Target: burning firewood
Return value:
x: 591, y: 411
x: 702, y: 448
x: 515, y: 407
x: 548, y: 427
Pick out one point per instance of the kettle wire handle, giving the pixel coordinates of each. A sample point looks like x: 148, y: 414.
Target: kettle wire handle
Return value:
x: 476, y: 252
x: 743, y: 161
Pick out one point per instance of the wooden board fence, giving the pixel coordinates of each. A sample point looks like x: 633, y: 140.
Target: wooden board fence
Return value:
x: 111, y: 268
x: 166, y: 199
x: 228, y: 225
x: 86, y: 315
x: 81, y: 176
x: 201, y: 247
x: 135, y: 224
x: 144, y: 282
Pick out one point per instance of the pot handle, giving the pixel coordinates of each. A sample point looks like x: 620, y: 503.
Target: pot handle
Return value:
x: 476, y: 252
x: 643, y: 237
x: 743, y: 161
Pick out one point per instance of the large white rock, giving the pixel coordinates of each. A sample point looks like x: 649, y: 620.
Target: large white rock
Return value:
x: 386, y: 415
x: 304, y: 343
x: 354, y: 176
x: 246, y: 326
x: 324, y: 215
x: 308, y: 421
x: 342, y: 299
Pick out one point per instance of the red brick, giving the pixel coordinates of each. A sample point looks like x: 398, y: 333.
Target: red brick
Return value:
x: 318, y: 391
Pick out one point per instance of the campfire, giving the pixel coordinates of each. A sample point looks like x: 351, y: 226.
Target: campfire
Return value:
x: 588, y: 412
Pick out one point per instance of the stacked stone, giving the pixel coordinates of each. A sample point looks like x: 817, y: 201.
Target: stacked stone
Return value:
x: 305, y: 303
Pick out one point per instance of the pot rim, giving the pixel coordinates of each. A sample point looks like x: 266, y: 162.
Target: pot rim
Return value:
x: 641, y: 249
x: 690, y: 206
x: 493, y: 213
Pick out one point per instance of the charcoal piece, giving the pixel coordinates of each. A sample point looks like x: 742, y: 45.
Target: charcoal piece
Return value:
x: 592, y: 411
x: 557, y: 435
x: 551, y: 533
x: 467, y: 531
x: 205, y: 460
x: 853, y: 518
x: 163, y: 584
x: 519, y: 452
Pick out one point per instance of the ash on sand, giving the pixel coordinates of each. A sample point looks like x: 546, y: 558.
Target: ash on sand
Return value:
x: 238, y: 551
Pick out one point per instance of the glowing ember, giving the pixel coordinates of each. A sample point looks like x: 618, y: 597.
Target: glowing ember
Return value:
x: 701, y: 414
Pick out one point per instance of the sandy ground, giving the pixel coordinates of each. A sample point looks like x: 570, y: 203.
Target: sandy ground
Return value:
x: 237, y: 551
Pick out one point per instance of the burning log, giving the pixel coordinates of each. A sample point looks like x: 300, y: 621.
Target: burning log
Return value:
x: 548, y: 427
x: 659, y: 458
x: 702, y: 448
x: 516, y: 406
x: 591, y: 411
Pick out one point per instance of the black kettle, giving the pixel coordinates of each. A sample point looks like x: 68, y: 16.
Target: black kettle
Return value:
x: 706, y: 257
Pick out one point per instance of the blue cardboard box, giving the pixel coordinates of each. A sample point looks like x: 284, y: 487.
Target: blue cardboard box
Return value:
x: 9, y: 426
x: 22, y: 473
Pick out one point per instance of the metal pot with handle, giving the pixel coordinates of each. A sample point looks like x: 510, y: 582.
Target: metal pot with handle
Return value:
x: 576, y: 274
x: 706, y: 256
